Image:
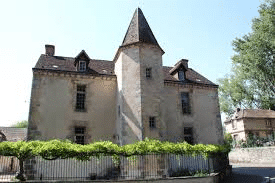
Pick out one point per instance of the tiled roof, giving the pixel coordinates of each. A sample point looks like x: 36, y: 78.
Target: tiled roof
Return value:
x: 139, y: 31
x: 14, y: 134
x: 107, y: 67
x: 254, y: 113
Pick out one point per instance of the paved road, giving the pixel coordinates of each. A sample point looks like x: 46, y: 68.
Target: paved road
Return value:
x: 244, y: 174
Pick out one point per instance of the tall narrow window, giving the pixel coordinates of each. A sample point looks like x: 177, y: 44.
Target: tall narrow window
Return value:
x: 79, y: 135
x: 152, y: 122
x: 82, y: 66
x: 181, y: 75
x: 80, y: 97
x: 185, y: 103
x: 188, y: 135
x: 148, y: 72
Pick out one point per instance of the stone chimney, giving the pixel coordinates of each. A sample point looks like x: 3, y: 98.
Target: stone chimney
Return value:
x: 185, y: 63
x: 49, y: 50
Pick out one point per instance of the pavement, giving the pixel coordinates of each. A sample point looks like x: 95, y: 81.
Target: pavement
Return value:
x: 250, y: 173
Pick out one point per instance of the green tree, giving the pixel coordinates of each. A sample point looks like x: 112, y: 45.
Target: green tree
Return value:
x: 251, y: 83
x: 21, y: 124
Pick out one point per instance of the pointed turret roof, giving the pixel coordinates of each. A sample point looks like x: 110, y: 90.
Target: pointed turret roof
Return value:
x: 139, y: 31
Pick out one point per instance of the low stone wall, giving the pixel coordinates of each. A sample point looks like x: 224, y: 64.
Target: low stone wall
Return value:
x: 214, y: 178
x: 253, y: 155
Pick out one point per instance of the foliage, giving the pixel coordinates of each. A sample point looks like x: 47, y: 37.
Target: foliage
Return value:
x: 254, y: 141
x: 65, y: 149
x: 21, y: 124
x: 252, y: 81
x: 187, y: 172
x: 228, y: 140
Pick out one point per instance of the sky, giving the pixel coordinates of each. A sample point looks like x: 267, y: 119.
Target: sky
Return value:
x: 200, y: 31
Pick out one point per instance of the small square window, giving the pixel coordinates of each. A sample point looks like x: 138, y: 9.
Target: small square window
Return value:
x: 79, y: 135
x: 152, y: 122
x: 148, y: 72
x: 82, y: 66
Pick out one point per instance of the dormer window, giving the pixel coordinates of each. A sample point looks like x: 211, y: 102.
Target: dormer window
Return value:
x: 181, y: 75
x: 82, y: 66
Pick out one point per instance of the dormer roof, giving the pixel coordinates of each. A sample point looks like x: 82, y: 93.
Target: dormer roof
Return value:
x: 82, y: 56
x: 180, y: 65
x: 139, y: 31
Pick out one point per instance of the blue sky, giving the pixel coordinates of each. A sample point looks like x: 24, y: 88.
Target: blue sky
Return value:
x: 200, y: 31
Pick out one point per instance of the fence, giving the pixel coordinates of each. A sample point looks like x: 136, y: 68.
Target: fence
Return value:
x: 107, y: 167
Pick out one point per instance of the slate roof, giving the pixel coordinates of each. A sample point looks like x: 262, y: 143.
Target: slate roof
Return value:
x: 57, y: 63
x: 139, y: 31
x: 14, y: 134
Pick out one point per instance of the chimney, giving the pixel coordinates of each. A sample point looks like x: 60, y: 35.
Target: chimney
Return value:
x: 49, y: 50
x: 185, y: 63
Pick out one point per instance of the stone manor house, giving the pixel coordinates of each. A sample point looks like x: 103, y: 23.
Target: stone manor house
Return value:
x: 124, y: 100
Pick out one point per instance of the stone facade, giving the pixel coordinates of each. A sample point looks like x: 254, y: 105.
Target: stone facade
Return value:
x: 254, y: 121
x: 124, y: 100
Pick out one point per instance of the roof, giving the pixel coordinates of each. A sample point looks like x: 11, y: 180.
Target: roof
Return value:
x: 252, y: 113
x: 57, y: 63
x: 14, y: 134
x: 139, y: 31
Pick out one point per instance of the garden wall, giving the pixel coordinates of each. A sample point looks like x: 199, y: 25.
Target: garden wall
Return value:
x: 264, y: 155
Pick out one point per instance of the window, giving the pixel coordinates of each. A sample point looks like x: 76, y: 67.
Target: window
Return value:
x: 119, y: 110
x: 82, y: 66
x: 152, y: 122
x: 148, y: 72
x: 235, y: 137
x: 80, y: 97
x: 79, y: 135
x: 181, y: 75
x: 234, y: 125
x: 268, y: 122
x: 188, y: 135
x: 185, y: 103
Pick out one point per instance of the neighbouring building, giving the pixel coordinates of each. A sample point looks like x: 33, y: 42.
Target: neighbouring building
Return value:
x: 258, y: 122
x: 12, y: 134
x: 124, y: 100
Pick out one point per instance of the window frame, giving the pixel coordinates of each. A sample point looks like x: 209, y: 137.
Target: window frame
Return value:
x: 152, y: 122
x: 82, y: 63
x: 181, y: 75
x: 148, y: 72
x: 185, y: 106
x: 188, y: 137
x: 80, y: 104
x: 80, y: 134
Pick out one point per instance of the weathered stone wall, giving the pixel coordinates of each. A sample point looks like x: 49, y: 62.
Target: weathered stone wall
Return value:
x: 263, y: 155
x: 52, y: 109
x: 204, y: 117
x: 127, y: 69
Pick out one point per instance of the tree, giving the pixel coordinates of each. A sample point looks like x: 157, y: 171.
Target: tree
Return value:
x: 251, y: 83
x: 21, y: 124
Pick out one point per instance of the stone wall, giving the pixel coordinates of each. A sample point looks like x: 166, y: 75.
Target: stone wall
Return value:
x: 263, y: 155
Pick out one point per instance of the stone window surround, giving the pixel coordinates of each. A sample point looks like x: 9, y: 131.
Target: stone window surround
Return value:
x: 152, y: 122
x: 148, y: 72
x: 82, y: 66
x: 185, y: 104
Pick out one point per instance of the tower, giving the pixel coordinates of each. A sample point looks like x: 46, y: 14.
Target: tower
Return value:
x: 138, y: 66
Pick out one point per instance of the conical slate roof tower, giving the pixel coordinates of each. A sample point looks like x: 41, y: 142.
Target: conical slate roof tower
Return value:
x: 139, y: 31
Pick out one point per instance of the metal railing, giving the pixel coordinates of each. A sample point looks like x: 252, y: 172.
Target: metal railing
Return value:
x: 107, y: 167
